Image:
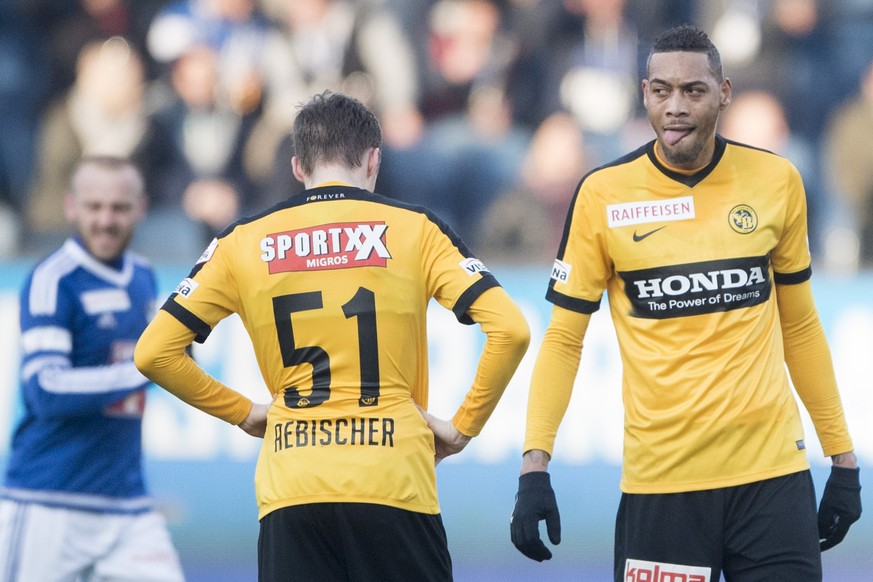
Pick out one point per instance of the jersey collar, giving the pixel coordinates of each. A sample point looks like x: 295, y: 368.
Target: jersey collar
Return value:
x: 120, y: 277
x: 332, y: 191
x: 695, y: 178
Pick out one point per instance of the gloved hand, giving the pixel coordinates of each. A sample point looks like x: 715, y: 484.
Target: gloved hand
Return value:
x: 535, y: 501
x: 840, y: 506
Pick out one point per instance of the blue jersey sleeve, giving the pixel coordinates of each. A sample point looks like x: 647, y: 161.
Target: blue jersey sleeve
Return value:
x: 53, y: 385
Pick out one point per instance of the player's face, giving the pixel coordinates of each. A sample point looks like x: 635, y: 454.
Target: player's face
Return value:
x: 683, y: 99
x: 104, y: 208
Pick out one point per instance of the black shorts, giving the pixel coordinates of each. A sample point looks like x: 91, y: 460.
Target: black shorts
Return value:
x: 763, y: 531
x: 352, y: 542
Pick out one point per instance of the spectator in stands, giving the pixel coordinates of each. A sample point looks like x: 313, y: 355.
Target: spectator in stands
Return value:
x: 759, y: 119
x: 354, y: 47
x: 235, y: 29
x: 594, y: 44
x: 849, y: 28
x: 527, y: 26
x: 198, y: 182
x: 103, y: 113
x: 471, y: 147
x: 72, y: 25
x: 781, y: 47
x: 525, y: 223
x: 849, y: 172
x: 23, y: 90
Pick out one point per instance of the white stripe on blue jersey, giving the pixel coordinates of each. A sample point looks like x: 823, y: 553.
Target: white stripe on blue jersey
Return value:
x: 122, y: 376
x: 50, y: 338
x: 43, y: 297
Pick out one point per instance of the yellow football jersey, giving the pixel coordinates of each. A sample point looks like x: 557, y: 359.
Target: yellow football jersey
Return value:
x: 333, y: 288
x: 689, y: 263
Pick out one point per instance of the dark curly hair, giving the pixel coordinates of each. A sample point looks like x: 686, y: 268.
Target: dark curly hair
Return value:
x: 688, y: 38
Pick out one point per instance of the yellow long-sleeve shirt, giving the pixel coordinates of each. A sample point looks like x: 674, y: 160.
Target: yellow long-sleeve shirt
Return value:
x: 689, y: 262
x: 333, y: 288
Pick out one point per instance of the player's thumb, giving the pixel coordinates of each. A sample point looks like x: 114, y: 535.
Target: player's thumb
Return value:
x: 553, y: 526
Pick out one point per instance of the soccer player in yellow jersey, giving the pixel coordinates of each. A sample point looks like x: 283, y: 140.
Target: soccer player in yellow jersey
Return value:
x: 701, y: 246
x: 333, y: 287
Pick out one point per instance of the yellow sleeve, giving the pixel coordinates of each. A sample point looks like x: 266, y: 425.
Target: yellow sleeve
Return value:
x: 506, y: 339
x: 554, y: 374
x: 160, y: 356
x: 809, y: 363
x: 791, y: 254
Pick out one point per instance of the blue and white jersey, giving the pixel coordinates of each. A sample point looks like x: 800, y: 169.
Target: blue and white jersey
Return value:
x: 79, y: 442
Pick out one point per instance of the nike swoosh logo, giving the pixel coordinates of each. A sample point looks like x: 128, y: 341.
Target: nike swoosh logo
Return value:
x: 639, y: 237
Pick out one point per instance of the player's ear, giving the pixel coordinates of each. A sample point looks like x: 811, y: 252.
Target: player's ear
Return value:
x: 725, y: 97
x: 374, y: 160
x: 297, y: 169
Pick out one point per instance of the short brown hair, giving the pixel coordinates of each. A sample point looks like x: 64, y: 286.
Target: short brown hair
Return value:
x: 334, y: 127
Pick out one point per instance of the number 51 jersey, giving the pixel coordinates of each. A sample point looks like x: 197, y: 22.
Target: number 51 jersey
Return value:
x: 333, y: 287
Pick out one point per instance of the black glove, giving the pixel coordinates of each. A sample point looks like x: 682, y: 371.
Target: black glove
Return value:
x: 534, y: 501
x: 840, y: 506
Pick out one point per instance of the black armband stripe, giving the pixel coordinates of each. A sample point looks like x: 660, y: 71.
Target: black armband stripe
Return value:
x: 470, y: 295
x: 188, y: 319
x: 792, y: 278
x: 572, y: 303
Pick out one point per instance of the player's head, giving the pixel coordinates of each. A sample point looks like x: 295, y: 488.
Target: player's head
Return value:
x: 105, y: 202
x: 334, y: 129
x: 684, y: 92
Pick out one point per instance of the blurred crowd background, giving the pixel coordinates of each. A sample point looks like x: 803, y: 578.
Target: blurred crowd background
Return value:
x: 492, y: 110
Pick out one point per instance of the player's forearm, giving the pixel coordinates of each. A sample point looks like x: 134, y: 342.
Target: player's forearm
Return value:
x: 507, y: 337
x: 160, y: 355
x: 62, y: 391
x: 809, y: 362
x: 553, y: 377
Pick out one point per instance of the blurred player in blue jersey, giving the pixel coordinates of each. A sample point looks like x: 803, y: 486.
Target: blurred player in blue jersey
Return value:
x: 74, y: 504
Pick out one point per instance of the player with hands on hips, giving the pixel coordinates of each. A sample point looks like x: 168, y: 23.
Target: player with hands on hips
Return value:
x: 701, y: 245
x: 448, y: 440
x: 255, y: 422
x: 333, y: 286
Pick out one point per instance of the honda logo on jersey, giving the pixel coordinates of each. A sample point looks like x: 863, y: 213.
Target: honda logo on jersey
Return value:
x: 340, y: 245
x: 698, y: 288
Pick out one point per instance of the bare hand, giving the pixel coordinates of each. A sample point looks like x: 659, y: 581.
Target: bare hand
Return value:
x: 255, y: 423
x: 447, y: 440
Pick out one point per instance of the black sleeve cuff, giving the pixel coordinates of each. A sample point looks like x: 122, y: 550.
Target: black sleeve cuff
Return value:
x: 793, y: 278
x: 572, y: 303
x: 188, y: 319
x: 470, y: 295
